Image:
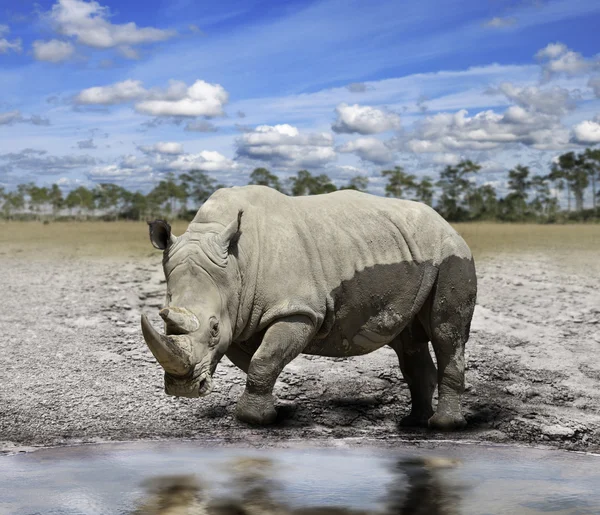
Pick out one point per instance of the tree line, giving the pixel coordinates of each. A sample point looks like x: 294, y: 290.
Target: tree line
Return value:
x: 530, y: 197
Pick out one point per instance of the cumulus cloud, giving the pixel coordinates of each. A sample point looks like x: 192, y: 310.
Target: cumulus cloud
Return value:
x: 117, y: 93
x: 53, y: 51
x: 178, y: 100
x: 88, y: 22
x: 284, y: 145
x: 559, y: 60
x: 587, y: 132
x: 555, y: 100
x: 7, y: 46
x: 163, y: 147
x: 12, y: 117
x: 208, y: 161
x: 364, y: 120
x: 40, y: 162
x: 499, y: 22
x: 487, y: 130
x: 200, y: 99
x: 369, y: 149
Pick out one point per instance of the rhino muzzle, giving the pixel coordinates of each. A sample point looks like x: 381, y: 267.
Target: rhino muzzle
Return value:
x: 173, y: 352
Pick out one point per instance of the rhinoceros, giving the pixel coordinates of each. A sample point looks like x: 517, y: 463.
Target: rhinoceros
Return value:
x: 262, y: 277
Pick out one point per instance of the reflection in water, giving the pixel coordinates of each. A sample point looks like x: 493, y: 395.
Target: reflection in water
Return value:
x: 417, y: 488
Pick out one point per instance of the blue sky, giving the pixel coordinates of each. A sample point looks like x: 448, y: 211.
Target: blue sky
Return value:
x: 127, y: 91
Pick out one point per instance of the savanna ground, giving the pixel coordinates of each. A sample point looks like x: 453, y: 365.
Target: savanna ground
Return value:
x: 74, y: 367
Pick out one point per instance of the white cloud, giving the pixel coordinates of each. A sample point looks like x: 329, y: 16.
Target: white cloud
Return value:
x: 559, y: 60
x: 284, y: 145
x: 179, y: 100
x: 200, y: 99
x: 446, y: 159
x: 587, y: 132
x: 369, y: 149
x: 487, y: 130
x: 117, y: 93
x: 499, y: 22
x: 163, y: 147
x: 364, y: 120
x: 88, y: 23
x: 206, y: 160
x: 554, y: 100
x: 552, y: 51
x: 53, y: 51
x: 7, y: 46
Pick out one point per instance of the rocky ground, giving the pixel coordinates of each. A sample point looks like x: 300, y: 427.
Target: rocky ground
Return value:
x: 74, y: 367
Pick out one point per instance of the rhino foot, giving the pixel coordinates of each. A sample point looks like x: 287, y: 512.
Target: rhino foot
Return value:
x: 256, y: 409
x: 447, y: 421
x: 417, y: 419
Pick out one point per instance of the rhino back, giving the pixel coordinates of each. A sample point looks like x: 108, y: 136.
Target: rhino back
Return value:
x: 299, y: 253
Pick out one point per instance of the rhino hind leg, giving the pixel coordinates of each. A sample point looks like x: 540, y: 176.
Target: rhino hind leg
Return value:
x: 283, y: 341
x: 412, y: 348
x: 452, y: 305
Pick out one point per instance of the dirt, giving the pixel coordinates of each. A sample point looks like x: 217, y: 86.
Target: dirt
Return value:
x: 74, y: 368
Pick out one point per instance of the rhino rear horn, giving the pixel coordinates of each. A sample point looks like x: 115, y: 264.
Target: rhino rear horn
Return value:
x: 179, y: 320
x: 174, y: 353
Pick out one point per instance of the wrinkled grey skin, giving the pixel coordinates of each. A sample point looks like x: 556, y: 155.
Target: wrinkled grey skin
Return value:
x: 262, y: 277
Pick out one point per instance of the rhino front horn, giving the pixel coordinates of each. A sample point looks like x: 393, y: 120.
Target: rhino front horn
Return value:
x: 174, y: 353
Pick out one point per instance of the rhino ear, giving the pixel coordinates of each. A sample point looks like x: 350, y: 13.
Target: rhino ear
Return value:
x: 160, y: 234
x: 222, y: 242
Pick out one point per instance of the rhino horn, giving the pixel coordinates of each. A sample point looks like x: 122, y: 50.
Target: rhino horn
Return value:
x: 173, y: 352
x: 179, y: 320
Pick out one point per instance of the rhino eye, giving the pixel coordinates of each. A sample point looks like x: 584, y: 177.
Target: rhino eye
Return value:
x: 214, y: 328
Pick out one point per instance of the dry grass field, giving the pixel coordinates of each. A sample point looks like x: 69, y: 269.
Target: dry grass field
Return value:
x: 577, y: 242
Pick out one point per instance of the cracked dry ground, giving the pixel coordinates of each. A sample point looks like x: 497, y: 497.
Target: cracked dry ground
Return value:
x: 75, y: 368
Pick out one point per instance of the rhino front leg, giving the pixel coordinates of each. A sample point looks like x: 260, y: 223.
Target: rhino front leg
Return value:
x: 282, y: 342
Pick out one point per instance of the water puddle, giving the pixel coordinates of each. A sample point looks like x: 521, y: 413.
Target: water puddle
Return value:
x: 185, y: 478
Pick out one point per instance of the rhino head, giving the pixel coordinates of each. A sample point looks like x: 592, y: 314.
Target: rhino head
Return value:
x: 200, y: 315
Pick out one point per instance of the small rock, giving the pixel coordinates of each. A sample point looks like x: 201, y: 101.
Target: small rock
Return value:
x: 557, y: 431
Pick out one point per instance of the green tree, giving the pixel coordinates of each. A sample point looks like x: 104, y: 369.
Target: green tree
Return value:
x: 198, y: 185
x: 358, y: 183
x: 12, y: 201
x: 167, y: 193
x: 456, y: 188
x: 82, y: 199
x: 399, y: 183
x: 571, y: 168
x: 262, y: 177
x: 109, y: 197
x: 518, y: 185
x: 304, y: 183
x: 38, y: 199
x: 592, y: 164
x: 424, y: 190
x: 542, y: 204
x: 482, y: 202
x: 55, y: 197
